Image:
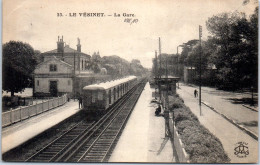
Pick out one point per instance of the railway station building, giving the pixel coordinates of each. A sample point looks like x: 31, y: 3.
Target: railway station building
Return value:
x: 64, y: 70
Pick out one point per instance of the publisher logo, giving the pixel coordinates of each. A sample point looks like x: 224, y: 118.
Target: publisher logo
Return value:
x: 241, y: 150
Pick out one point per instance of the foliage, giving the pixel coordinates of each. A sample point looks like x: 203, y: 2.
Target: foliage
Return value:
x: 174, y: 68
x: 39, y: 56
x: 118, y: 67
x: 201, y: 145
x: 235, y: 55
x: 194, y: 56
x: 229, y: 57
x: 18, y: 64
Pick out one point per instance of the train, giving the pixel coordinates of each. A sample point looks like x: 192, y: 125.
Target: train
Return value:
x: 99, y: 97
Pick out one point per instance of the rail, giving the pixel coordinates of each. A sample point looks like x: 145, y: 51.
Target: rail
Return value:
x: 22, y: 113
x: 66, y: 148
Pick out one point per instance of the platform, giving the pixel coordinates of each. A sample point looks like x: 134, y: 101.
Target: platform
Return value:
x: 143, y: 140
x: 19, y: 133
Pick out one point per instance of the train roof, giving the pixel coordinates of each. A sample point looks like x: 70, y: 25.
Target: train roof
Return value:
x: 110, y: 84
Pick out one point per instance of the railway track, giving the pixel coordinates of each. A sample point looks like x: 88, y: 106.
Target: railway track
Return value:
x: 49, y: 152
x: 90, y: 141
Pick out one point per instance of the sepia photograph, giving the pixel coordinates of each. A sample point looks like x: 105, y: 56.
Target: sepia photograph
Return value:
x: 133, y: 81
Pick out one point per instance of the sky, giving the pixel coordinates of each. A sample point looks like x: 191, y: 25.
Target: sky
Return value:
x: 175, y: 21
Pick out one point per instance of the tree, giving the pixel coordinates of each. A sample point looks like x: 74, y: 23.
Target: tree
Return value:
x: 18, y: 64
x: 39, y: 56
x: 235, y: 54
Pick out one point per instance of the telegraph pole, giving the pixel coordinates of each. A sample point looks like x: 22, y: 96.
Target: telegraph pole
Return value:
x: 74, y: 75
x: 160, y: 76
x: 156, y: 73
x: 156, y: 69
x: 200, y: 35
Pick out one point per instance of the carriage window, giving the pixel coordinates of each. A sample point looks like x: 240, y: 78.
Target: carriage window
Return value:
x: 114, y: 93
x: 100, y: 95
x: 93, y: 97
x: 109, y: 95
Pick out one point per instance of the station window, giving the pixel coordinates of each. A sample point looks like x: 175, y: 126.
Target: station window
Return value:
x: 38, y: 82
x: 53, y: 67
x: 68, y: 82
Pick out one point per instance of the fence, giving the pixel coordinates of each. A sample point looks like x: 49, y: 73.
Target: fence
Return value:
x: 26, y: 112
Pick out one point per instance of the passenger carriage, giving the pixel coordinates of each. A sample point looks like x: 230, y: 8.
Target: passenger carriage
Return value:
x: 99, y: 97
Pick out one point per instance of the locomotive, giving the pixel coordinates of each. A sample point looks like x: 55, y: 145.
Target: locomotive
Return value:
x: 99, y: 97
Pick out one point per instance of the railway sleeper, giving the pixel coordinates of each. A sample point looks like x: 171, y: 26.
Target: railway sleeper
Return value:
x: 98, y: 151
x: 104, y: 139
x: 109, y: 137
x: 103, y: 143
x: 73, y: 134
x: 68, y: 138
x: 88, y: 161
x: 96, y: 154
x: 49, y: 155
x: 49, y: 152
x: 60, y: 143
x: 42, y: 157
x: 93, y: 156
x: 55, y: 148
x: 98, y: 147
x: 38, y: 160
x: 111, y: 131
x: 77, y: 131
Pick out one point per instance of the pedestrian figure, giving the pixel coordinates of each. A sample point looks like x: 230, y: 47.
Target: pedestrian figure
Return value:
x: 80, y: 102
x: 195, y: 93
x: 158, y: 110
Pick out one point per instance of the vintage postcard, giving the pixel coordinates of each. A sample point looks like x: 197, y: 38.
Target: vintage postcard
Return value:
x: 133, y: 81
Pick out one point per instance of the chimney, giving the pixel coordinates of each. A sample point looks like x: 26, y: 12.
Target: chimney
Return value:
x: 60, y: 46
x: 78, y: 46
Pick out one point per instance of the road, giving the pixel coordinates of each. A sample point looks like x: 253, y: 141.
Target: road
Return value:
x: 229, y: 104
x: 230, y: 136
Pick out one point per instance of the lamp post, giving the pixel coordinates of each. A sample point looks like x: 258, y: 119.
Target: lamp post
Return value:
x: 200, y: 35
x: 178, y: 63
x: 156, y: 73
x: 160, y: 75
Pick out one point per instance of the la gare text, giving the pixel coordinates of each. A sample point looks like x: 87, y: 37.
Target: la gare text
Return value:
x: 85, y: 14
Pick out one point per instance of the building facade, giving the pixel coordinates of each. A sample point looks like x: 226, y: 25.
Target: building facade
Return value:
x: 53, y: 77
x: 64, y: 70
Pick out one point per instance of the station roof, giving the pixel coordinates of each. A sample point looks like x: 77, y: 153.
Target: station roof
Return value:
x: 109, y: 84
x: 67, y: 49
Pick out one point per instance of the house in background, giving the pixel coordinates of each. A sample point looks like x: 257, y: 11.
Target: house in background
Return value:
x: 80, y: 61
x: 53, y: 77
x: 191, y: 73
x: 64, y: 70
